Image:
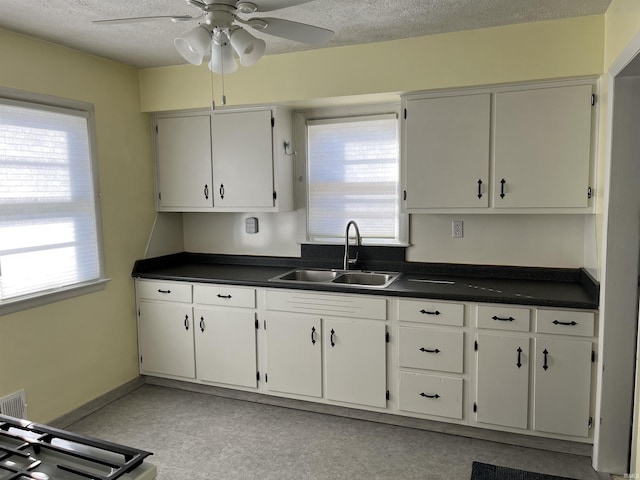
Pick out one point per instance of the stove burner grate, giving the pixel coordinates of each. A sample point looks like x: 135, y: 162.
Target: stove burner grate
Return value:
x: 33, y: 451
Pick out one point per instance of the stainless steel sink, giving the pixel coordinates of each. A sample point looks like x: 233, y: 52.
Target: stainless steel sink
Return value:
x: 311, y: 276
x: 371, y: 279
x: 353, y: 278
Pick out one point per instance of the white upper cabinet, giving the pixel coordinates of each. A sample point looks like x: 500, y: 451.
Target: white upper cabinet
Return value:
x: 525, y: 149
x: 542, y: 147
x: 183, y: 162
x: 243, y: 159
x: 225, y: 160
x: 447, y: 151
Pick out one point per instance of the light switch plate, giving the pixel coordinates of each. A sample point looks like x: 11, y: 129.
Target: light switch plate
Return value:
x: 251, y: 225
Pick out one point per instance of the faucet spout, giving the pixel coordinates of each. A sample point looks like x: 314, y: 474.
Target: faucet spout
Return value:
x: 348, y: 260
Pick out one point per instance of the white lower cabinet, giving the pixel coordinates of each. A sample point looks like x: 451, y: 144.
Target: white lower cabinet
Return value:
x: 431, y: 395
x: 431, y: 358
x: 547, y: 390
x: 294, y: 354
x: 225, y: 342
x: 502, y: 379
x: 339, y: 357
x: 562, y: 386
x: 512, y: 368
x: 355, y: 362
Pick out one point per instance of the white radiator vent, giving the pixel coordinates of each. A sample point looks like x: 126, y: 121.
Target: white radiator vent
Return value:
x: 14, y: 405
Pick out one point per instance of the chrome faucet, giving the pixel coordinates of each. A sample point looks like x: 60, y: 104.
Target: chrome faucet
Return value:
x: 348, y: 260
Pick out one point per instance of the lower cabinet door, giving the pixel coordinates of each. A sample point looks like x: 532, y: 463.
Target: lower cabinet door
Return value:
x: 226, y: 346
x: 355, y: 361
x: 562, y: 386
x: 431, y: 395
x: 294, y: 354
x: 165, y: 337
x: 502, y: 391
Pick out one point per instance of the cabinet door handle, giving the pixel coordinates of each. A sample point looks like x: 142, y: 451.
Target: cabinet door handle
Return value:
x: 426, y: 350
x: 222, y: 191
x: 202, y: 325
x: 164, y: 291
x: 479, y: 188
x: 519, y: 362
x: 568, y: 324
x: 332, y: 338
x: 503, y: 319
x: 502, y: 182
x: 424, y: 312
x: 426, y: 395
x: 224, y: 296
x: 313, y: 335
x: 206, y: 192
x: 545, y: 365
x: 186, y: 322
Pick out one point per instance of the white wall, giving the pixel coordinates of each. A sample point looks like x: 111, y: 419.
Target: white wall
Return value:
x: 526, y: 240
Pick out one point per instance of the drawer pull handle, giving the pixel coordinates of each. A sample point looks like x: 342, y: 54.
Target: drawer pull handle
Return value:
x: 426, y: 395
x: 424, y: 312
x: 206, y: 192
x: 503, y: 319
x: 163, y: 291
x: 332, y: 338
x: 222, y: 191
x: 502, y: 182
x: 568, y: 324
x: 186, y: 322
x: 426, y: 350
x: 224, y: 296
x: 202, y: 325
x: 519, y: 363
x: 313, y: 335
x: 545, y: 365
x: 479, y: 188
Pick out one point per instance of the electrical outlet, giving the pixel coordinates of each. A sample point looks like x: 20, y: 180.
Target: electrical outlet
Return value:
x: 456, y: 229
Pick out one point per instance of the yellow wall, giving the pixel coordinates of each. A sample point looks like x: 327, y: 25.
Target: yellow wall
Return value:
x: 68, y: 353
x: 524, y: 52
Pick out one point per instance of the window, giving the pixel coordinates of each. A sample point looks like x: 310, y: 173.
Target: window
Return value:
x: 353, y: 174
x: 49, y: 224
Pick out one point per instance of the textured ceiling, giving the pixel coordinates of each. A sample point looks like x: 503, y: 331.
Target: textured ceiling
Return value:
x: 150, y: 44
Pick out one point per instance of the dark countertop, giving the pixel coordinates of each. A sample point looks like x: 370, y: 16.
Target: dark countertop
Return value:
x: 567, y: 288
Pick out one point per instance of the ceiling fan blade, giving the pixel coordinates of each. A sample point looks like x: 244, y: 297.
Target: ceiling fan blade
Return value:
x: 299, y: 32
x: 270, y: 5
x: 173, y: 18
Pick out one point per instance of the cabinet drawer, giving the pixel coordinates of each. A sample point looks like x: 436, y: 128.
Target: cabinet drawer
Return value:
x: 504, y: 318
x: 224, y: 295
x: 430, y: 395
x: 431, y: 349
x: 354, y: 306
x: 172, y: 291
x: 431, y: 312
x: 565, y: 322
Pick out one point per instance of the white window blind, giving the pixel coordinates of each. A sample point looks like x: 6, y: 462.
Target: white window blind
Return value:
x: 48, y: 218
x: 353, y: 174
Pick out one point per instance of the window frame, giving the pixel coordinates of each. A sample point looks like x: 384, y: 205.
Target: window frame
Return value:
x: 87, y: 110
x: 302, y: 182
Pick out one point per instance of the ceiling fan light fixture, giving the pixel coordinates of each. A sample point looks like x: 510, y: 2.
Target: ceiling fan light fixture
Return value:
x: 222, y: 59
x: 249, y: 48
x: 194, y: 45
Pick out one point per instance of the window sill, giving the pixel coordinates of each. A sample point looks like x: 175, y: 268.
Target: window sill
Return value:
x: 38, y: 299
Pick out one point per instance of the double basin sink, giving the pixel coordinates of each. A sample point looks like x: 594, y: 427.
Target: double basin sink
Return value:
x: 353, y: 278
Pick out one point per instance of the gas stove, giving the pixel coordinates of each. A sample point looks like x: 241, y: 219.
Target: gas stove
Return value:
x: 30, y: 451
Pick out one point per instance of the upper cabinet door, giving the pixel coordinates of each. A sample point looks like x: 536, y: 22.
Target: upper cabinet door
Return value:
x: 243, y: 159
x: 447, y: 152
x: 542, y: 147
x: 183, y: 155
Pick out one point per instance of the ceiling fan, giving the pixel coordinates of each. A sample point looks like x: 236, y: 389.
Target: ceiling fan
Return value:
x: 223, y: 31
